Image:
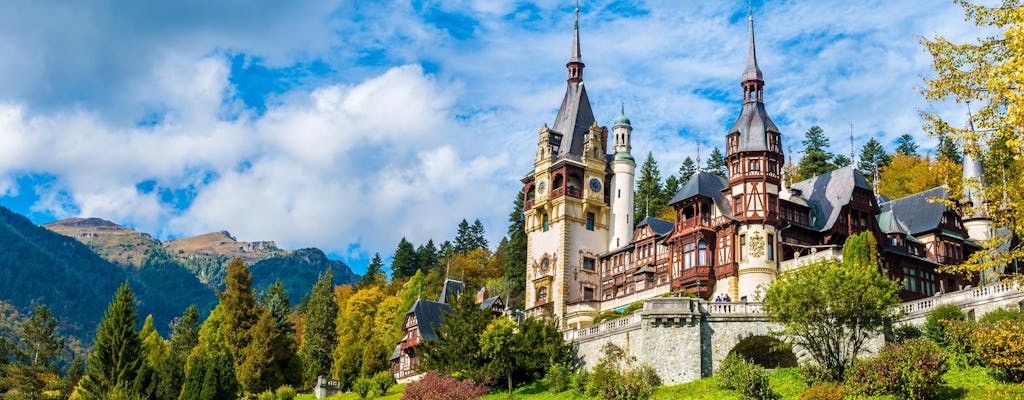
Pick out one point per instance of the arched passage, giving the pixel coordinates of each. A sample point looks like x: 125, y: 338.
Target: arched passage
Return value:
x: 766, y: 351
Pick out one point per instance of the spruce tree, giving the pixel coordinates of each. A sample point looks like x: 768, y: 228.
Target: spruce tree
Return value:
x: 648, y: 197
x: 841, y: 160
x: 426, y: 254
x: 947, y: 149
x: 872, y: 158
x: 515, y: 261
x: 817, y: 160
x: 463, y: 242
x: 457, y: 350
x: 277, y: 302
x: 320, y: 335
x: 374, y: 273
x: 716, y: 163
x: 672, y: 185
x: 403, y: 264
x: 479, y: 240
x: 186, y: 333
x: 117, y: 354
x: 687, y: 169
x: 239, y: 307
x: 905, y: 145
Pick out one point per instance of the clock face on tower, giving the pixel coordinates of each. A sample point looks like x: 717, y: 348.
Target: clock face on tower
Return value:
x: 540, y: 186
x: 595, y: 185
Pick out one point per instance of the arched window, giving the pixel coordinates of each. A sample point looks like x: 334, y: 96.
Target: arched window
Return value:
x: 544, y: 221
x: 542, y: 295
x: 557, y: 182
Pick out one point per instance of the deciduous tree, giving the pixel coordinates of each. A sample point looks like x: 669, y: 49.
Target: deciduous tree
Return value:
x: 831, y: 308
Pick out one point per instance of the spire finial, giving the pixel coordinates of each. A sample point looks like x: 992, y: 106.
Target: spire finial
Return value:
x: 698, y: 156
x: 575, y: 64
x: 852, y: 146
x: 622, y: 104
x: 753, y: 80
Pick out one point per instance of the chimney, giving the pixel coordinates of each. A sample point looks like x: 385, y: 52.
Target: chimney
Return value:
x: 482, y: 295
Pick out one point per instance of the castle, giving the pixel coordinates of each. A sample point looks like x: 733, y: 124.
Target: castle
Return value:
x: 731, y: 236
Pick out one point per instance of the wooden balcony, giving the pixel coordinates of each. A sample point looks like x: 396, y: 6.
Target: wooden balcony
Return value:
x: 567, y: 191
x: 528, y: 204
x: 726, y: 270
x: 692, y: 275
x: 695, y: 222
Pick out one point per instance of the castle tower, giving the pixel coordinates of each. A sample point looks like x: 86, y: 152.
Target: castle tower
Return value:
x: 624, y: 171
x: 567, y: 209
x: 755, y: 160
x: 976, y: 219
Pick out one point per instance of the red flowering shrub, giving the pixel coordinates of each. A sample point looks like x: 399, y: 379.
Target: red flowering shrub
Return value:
x: 435, y: 386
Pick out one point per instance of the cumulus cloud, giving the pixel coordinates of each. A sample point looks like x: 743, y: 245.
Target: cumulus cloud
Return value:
x: 424, y: 112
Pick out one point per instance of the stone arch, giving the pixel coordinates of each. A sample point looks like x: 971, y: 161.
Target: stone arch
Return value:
x: 724, y: 334
x: 766, y: 351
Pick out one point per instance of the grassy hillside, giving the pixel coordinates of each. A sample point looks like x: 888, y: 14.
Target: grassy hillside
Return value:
x: 115, y: 243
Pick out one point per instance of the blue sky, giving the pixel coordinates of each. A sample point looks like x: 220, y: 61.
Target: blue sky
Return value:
x: 347, y: 125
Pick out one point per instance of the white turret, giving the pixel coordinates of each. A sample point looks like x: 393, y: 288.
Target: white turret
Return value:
x: 976, y: 219
x: 624, y: 168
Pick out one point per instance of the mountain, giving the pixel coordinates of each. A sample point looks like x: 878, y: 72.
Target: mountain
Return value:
x: 208, y: 255
x: 298, y: 271
x: 115, y: 243
x: 39, y: 266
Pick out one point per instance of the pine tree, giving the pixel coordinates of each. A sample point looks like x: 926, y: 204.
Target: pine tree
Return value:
x: 716, y: 163
x: 319, y: 337
x: 39, y: 346
x: 817, y: 160
x: 841, y: 160
x: 905, y: 145
x: 478, y: 234
x: 687, y: 169
x: 426, y: 254
x: 403, y: 264
x: 374, y: 273
x: 186, y: 333
x: 457, y: 349
x: 117, y: 354
x: 277, y: 302
x: 872, y: 158
x: 671, y: 187
x: 947, y: 149
x: 648, y: 190
x: 515, y: 261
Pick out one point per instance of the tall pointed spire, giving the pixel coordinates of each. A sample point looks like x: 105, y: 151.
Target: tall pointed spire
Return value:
x: 575, y: 64
x: 972, y: 176
x: 752, y: 72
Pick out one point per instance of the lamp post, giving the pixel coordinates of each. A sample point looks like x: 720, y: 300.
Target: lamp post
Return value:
x: 698, y: 290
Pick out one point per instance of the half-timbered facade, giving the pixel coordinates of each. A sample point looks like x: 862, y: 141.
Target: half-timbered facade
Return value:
x: 731, y: 235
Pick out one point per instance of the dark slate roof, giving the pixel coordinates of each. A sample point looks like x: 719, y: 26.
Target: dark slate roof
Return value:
x: 828, y: 193
x: 428, y: 316
x: 708, y: 185
x: 574, y: 118
x: 916, y: 211
x: 753, y: 126
x: 487, y: 304
x: 451, y: 289
x: 659, y: 226
x: 396, y: 353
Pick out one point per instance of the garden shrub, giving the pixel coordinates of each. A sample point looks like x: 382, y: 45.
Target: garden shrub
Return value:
x: 745, y: 377
x: 579, y: 383
x: 615, y: 377
x: 435, y: 386
x: 1001, y: 314
x: 933, y: 327
x: 286, y: 393
x: 911, y: 370
x: 382, y: 381
x: 558, y: 378
x: 1001, y: 347
x: 813, y: 374
x: 268, y: 395
x: 766, y: 351
x: 904, y: 333
x: 960, y: 343
x: 362, y: 387
x: 824, y: 391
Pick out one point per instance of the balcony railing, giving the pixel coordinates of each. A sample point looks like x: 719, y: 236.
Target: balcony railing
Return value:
x: 695, y: 222
x: 528, y: 204
x: 567, y: 191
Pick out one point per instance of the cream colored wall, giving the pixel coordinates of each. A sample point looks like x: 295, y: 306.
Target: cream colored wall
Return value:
x: 757, y: 271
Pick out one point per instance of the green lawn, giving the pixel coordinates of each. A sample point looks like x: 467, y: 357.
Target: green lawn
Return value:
x: 972, y: 383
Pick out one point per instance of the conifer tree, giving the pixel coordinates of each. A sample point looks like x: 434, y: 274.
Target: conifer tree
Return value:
x: 716, y: 163
x: 117, y: 354
x: 841, y: 160
x: 905, y: 145
x: 479, y: 240
x: 374, y: 273
x: 186, y: 333
x: 872, y: 158
x: 254, y: 366
x: 320, y: 335
x: 948, y: 150
x: 463, y: 238
x: 817, y: 160
x: 515, y: 261
x: 457, y: 349
x: 687, y: 169
x: 39, y: 346
x: 277, y: 302
x: 426, y: 254
x: 238, y: 304
x: 648, y: 197
x: 403, y: 264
